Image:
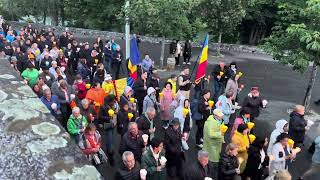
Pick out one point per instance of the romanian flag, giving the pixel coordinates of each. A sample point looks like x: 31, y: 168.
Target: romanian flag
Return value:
x: 120, y: 84
x: 203, y: 61
x: 134, y: 59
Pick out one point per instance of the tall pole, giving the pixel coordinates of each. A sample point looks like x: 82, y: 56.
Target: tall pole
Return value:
x: 127, y: 30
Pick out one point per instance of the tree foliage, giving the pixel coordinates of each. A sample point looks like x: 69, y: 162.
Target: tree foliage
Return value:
x: 296, y: 38
x: 164, y: 18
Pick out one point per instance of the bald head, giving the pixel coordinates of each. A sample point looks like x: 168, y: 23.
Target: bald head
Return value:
x: 299, y: 109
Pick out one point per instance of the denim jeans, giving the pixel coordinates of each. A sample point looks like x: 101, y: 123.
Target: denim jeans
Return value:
x: 218, y: 89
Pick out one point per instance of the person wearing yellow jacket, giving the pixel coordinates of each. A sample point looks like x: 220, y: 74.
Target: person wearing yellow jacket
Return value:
x: 241, y: 139
x: 108, y: 86
x: 213, y: 138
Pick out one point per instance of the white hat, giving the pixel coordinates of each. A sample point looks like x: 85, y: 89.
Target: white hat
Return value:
x: 218, y: 112
x: 151, y: 90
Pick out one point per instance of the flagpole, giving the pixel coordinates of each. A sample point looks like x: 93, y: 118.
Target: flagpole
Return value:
x: 194, y: 66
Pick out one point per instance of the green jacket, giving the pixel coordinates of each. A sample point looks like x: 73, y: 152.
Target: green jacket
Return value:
x: 150, y: 164
x: 31, y: 76
x: 212, y: 139
x: 74, y: 124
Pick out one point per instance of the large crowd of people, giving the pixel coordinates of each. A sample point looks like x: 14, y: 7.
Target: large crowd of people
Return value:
x: 74, y: 80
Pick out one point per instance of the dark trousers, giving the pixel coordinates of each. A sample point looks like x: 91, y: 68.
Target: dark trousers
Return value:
x: 199, y: 134
x: 177, y: 60
x: 115, y: 71
x: 218, y: 89
x: 186, y: 59
x: 140, y: 105
x: 175, y: 166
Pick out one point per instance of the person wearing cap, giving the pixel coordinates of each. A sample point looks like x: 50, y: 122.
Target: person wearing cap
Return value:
x: 213, y: 138
x: 173, y: 146
x: 241, y: 139
x: 204, y: 110
x: 184, y: 82
x: 254, y: 102
x: 107, y: 85
x: 31, y: 59
x: 125, y: 99
x: 150, y: 100
x: 151, y: 159
x: 31, y: 75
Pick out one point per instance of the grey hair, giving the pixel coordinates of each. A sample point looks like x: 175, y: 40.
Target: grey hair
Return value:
x: 126, y: 154
x: 76, y: 110
x: 203, y: 153
x: 84, y: 102
x: 46, y: 90
x: 150, y: 109
x: 131, y: 124
x: 54, y: 62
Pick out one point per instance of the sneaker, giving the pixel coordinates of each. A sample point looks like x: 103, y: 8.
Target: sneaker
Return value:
x: 189, y: 63
x: 201, y: 139
x: 199, y: 145
x: 184, y: 63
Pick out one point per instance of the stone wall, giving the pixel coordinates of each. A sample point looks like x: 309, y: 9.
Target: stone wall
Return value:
x: 33, y: 143
x: 89, y: 33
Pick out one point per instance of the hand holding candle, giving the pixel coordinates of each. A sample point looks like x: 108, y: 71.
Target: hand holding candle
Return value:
x: 210, y: 103
x: 111, y: 112
x: 252, y: 138
x: 130, y: 116
x: 240, y: 74
x: 88, y: 86
x: 221, y: 73
x: 223, y: 128
x: 290, y: 143
x: 160, y: 94
x: 185, y: 112
x: 132, y: 100
x: 250, y: 125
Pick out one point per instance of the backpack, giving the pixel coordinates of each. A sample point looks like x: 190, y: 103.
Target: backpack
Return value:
x: 195, y: 114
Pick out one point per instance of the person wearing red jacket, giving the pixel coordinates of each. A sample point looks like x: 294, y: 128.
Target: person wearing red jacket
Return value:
x: 80, y: 85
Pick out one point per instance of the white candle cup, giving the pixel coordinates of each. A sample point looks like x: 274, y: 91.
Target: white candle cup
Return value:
x: 207, y: 178
x: 143, y: 174
x: 145, y: 137
x: 163, y: 161
x: 72, y: 96
x: 264, y: 103
x: 54, y: 106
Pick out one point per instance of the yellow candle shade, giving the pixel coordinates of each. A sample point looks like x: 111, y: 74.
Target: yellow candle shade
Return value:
x: 221, y: 73
x: 296, y: 150
x: 210, y: 103
x: 97, y: 104
x: 185, y: 111
x: 96, y: 61
x: 130, y: 116
x: 252, y: 138
x: 161, y: 95
x: 240, y: 160
x: 290, y: 142
x: 250, y: 125
x: 88, y: 86
x: 132, y: 100
x: 240, y: 74
x: 111, y: 112
x: 223, y: 128
x: 174, y: 95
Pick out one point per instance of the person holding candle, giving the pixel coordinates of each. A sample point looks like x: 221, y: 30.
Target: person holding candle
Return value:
x: 244, y: 118
x: 184, y: 82
x: 173, y: 80
x: 254, y: 102
x: 241, y: 139
x: 225, y: 104
x: 129, y: 169
x: 146, y: 122
x: 76, y: 124
x: 204, y: 109
x: 127, y: 98
x: 200, y: 169
x: 123, y: 118
x: 257, y: 160
x: 153, y: 160
x: 281, y: 153
x: 213, y: 138
x: 219, y: 74
x: 183, y: 113
x: 228, y: 164
x: 166, y: 99
x: 282, y: 126
x: 107, y: 122
x: 107, y: 85
x: 150, y: 100
x: 140, y: 90
x: 233, y: 86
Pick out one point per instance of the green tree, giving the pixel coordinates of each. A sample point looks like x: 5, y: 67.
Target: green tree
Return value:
x: 222, y: 16
x: 296, y: 38
x: 162, y: 18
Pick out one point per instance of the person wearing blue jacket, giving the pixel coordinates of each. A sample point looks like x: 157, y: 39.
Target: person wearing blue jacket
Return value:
x: 225, y: 104
x: 51, y: 101
x: 315, y: 166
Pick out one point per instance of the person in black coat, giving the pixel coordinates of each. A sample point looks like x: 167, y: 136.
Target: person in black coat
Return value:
x: 154, y: 82
x: 132, y: 141
x: 146, y: 122
x: 253, y: 102
x: 129, y: 169
x: 187, y: 52
x: 173, y: 146
x: 204, y: 109
x: 297, y: 125
x: 257, y: 159
x: 123, y: 119
x: 140, y: 90
x: 219, y: 74
x: 200, y: 169
x: 228, y: 164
